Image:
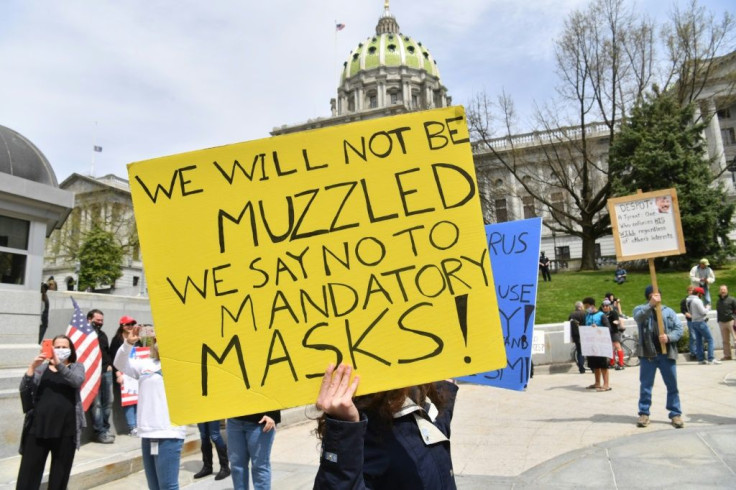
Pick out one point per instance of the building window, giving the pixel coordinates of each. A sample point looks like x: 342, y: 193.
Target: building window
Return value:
x: 724, y: 113
x: 529, y: 211
x: 373, y: 101
x: 501, y: 213
x: 558, y: 206
x: 728, y: 136
x: 14, y: 235
x: 414, y: 101
x: 135, y: 280
x: 395, y: 98
x: 598, y: 251
x: 562, y: 253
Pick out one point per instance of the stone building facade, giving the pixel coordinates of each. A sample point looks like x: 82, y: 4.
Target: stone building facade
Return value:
x: 104, y: 201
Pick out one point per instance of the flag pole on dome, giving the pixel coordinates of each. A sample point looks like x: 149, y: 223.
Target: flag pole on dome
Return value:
x: 338, y: 27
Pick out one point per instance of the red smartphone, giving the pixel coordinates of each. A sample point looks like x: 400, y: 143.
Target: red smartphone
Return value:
x: 47, y: 348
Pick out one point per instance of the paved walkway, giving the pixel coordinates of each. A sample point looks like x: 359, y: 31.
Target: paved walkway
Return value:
x: 556, y: 434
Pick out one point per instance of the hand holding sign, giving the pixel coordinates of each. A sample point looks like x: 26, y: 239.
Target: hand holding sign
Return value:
x: 336, y: 393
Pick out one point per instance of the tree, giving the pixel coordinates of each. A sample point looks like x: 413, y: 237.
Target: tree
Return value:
x: 606, y: 57
x: 100, y: 259
x: 661, y: 146
x: 603, y: 60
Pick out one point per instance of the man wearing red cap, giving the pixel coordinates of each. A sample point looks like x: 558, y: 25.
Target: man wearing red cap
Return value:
x: 699, y: 319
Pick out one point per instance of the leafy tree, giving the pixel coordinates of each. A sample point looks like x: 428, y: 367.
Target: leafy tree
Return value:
x: 606, y: 56
x: 659, y: 147
x: 100, y: 259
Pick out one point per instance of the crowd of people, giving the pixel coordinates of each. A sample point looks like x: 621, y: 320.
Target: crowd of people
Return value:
x: 403, y: 433
x: 657, y: 341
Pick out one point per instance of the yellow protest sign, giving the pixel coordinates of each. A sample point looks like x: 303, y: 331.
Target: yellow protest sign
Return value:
x: 269, y: 259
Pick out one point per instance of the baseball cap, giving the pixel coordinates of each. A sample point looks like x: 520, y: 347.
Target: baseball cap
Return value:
x: 698, y: 290
x: 705, y: 262
x: 126, y: 320
x: 606, y: 303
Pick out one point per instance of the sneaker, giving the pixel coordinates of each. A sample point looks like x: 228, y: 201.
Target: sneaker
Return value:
x: 677, y: 422
x: 714, y: 361
x: 643, y: 420
x: 105, y: 439
x: 133, y: 432
x: 618, y: 368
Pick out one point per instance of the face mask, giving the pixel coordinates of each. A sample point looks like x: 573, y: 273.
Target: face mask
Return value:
x: 62, y: 353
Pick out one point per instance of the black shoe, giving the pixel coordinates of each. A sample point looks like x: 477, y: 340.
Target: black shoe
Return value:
x: 205, y: 471
x: 223, y: 473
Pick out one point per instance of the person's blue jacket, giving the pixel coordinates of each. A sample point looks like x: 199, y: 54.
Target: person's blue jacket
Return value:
x: 371, y: 455
x: 647, y: 325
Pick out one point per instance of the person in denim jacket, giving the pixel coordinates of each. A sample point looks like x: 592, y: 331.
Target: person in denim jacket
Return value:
x: 652, y: 358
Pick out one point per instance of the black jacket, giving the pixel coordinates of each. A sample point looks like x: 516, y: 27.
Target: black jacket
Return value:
x: 104, y: 349
x: 371, y: 455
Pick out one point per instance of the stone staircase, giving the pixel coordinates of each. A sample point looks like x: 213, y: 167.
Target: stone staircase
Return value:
x: 19, y: 319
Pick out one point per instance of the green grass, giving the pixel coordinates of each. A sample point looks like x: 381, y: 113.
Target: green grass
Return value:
x: 556, y: 299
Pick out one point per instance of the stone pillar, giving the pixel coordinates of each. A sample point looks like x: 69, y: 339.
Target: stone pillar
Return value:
x: 713, y: 135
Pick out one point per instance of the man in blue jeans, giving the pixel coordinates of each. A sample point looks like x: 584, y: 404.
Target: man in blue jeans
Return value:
x: 102, y: 404
x: 701, y: 331
x: 652, y: 358
x: 249, y: 440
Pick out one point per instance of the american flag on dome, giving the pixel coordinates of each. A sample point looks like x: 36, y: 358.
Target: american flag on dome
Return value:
x: 339, y: 26
x: 85, y: 342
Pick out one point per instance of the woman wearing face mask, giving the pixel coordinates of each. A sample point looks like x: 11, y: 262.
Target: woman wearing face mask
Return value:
x: 161, y: 441
x: 50, y: 390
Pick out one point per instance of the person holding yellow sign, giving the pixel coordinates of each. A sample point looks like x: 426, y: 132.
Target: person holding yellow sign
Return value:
x: 392, y: 439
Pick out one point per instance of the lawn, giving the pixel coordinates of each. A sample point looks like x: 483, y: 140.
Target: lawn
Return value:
x: 556, y: 299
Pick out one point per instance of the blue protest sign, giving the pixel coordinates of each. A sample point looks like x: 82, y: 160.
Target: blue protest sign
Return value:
x: 514, y: 251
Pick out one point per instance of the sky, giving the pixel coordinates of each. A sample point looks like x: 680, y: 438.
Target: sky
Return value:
x: 144, y: 79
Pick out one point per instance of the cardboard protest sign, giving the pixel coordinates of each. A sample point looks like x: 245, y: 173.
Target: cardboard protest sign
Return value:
x: 267, y: 260
x: 538, y: 344
x: 596, y: 341
x: 646, y: 225
x: 514, y: 251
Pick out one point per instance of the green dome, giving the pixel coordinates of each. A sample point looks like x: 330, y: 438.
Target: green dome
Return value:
x: 390, y: 49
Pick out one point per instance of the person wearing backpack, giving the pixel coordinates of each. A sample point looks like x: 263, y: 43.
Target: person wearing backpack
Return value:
x: 599, y: 365
x: 617, y: 327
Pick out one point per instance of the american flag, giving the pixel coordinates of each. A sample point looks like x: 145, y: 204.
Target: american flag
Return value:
x: 97, y: 148
x: 85, y: 342
x: 339, y: 26
x: 129, y: 388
